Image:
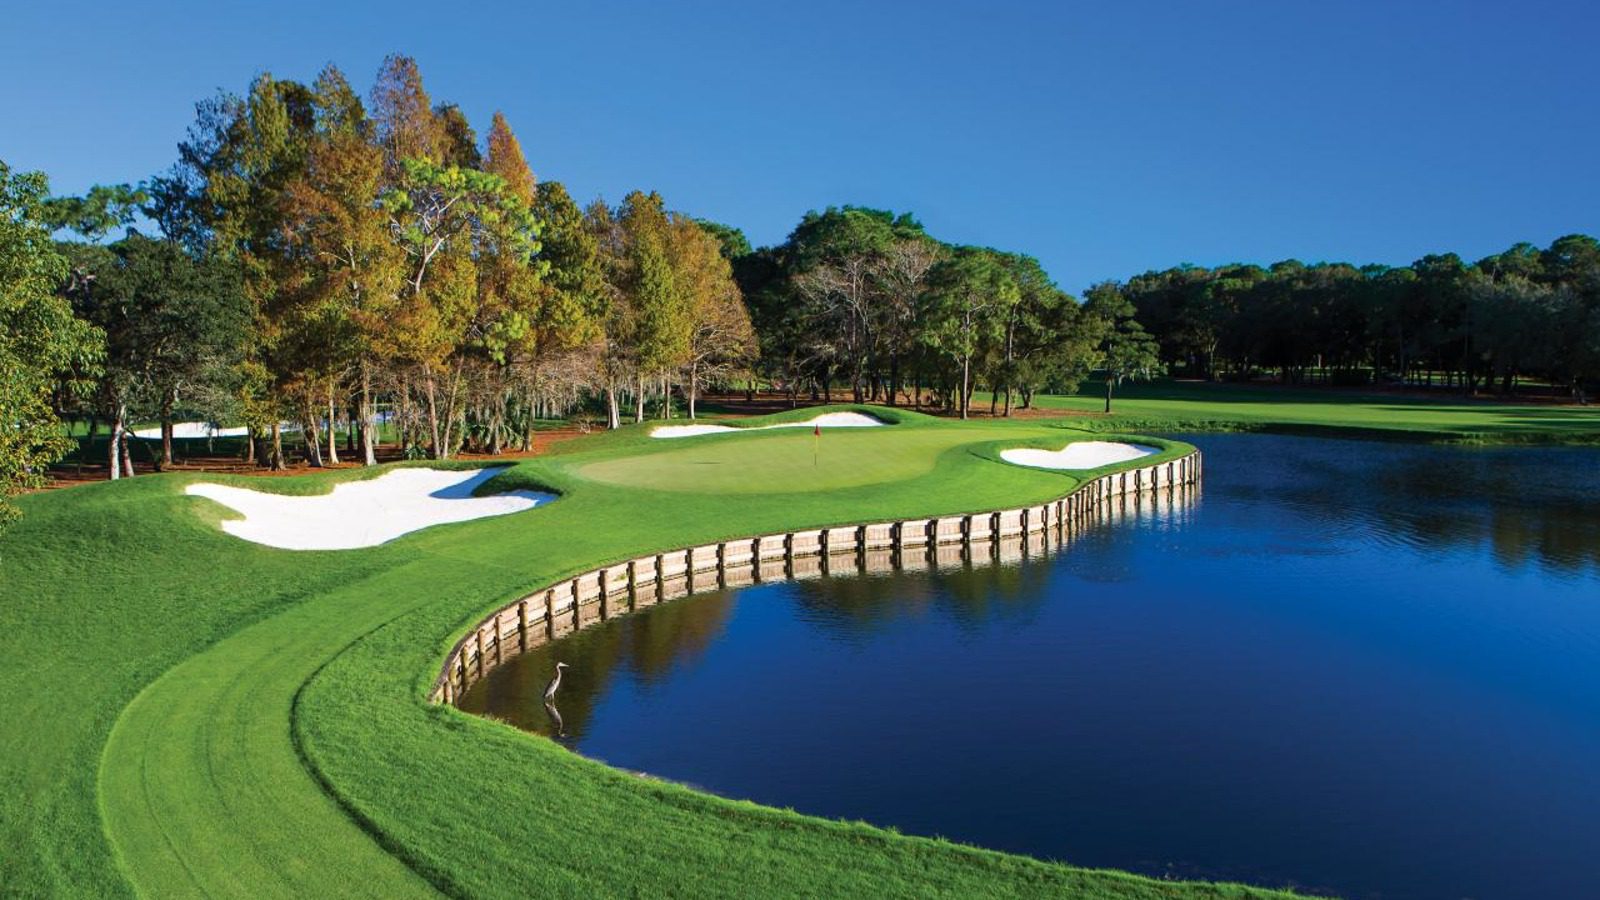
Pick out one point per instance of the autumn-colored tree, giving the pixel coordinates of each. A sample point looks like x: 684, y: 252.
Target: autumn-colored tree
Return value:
x: 450, y: 220
x: 241, y: 158
x: 615, y: 359
x: 350, y: 267
x: 506, y: 160
x: 719, y: 332
x: 660, y: 304
x: 406, y: 127
x: 460, y: 142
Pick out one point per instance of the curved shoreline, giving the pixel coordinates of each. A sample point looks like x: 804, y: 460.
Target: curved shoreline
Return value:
x: 571, y: 604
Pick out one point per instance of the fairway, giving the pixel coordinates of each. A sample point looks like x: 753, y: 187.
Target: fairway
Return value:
x: 1179, y: 406
x: 238, y: 720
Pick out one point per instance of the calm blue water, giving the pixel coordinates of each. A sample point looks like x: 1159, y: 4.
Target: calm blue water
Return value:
x: 1362, y: 668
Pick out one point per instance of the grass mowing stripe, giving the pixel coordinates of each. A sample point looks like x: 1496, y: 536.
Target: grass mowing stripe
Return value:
x: 205, y: 794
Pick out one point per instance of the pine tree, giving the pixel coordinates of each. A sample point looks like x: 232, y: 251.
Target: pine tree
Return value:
x: 506, y: 160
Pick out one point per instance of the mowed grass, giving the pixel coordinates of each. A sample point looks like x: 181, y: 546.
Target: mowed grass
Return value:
x: 190, y: 714
x: 789, y: 460
x: 1194, y: 406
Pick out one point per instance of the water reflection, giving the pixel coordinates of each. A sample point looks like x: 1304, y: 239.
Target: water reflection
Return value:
x: 975, y: 585
x: 646, y: 647
x: 558, y: 728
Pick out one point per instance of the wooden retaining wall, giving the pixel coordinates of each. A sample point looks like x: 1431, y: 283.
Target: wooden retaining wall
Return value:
x: 910, y: 544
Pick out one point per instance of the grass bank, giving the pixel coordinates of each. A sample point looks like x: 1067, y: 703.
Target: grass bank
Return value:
x: 209, y: 716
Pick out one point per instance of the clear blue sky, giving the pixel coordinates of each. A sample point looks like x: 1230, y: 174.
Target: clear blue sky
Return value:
x: 1104, y: 138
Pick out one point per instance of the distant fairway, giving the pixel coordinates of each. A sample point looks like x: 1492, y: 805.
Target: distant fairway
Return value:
x: 1177, y: 406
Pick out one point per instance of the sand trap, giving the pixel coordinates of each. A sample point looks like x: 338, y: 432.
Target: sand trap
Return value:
x: 187, y: 430
x: 1080, y: 455
x: 826, y: 420
x: 364, y: 513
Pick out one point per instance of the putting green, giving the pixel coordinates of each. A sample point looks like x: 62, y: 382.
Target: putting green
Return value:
x: 784, y: 461
x: 230, y: 719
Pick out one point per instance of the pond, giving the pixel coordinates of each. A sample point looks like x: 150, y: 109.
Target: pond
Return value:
x: 1349, y: 667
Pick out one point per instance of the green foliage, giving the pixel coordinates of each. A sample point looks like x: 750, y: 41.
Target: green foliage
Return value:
x: 1520, y: 314
x: 103, y: 209
x: 40, y: 339
x: 1126, y: 349
x: 732, y: 240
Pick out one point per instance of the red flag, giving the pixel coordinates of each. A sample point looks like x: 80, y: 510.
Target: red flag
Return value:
x: 816, y: 430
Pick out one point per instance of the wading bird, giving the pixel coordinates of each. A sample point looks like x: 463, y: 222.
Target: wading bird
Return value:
x: 550, y: 690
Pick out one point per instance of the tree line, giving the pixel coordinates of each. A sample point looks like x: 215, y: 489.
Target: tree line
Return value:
x: 867, y: 301
x: 1524, y: 315
x: 325, y: 259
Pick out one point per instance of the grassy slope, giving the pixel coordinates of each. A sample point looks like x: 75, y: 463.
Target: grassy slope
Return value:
x: 177, y: 681
x: 1167, y: 405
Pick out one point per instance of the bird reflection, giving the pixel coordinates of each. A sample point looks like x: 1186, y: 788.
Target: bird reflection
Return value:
x: 555, y: 718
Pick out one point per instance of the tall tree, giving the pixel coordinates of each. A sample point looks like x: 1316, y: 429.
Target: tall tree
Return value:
x: 406, y: 127
x: 40, y: 339
x: 970, y: 296
x: 1126, y: 349
x: 660, y: 304
x: 720, y: 336
x: 350, y: 268
x: 506, y: 160
x: 174, y: 327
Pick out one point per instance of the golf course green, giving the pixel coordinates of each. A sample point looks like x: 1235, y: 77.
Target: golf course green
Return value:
x: 200, y: 715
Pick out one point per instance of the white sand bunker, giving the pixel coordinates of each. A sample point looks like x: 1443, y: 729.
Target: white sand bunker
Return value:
x: 186, y: 430
x: 1079, y: 455
x: 826, y: 420
x: 365, y: 513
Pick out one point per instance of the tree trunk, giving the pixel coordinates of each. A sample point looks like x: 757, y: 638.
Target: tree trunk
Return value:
x: 694, y: 386
x: 369, y: 421
x: 966, y: 370
x: 433, y: 419
x: 311, y: 431
x: 333, y: 433
x: 279, y: 464
x: 1108, y: 394
x: 613, y: 418
x: 638, y: 399
x: 167, y: 400
x: 114, y: 449
x: 127, y: 454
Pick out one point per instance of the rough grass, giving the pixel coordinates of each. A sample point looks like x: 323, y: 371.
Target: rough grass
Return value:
x: 188, y: 713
